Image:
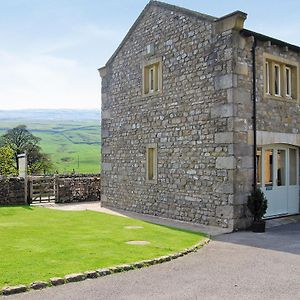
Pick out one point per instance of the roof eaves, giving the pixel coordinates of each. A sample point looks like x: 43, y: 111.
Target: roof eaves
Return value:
x: 266, y: 38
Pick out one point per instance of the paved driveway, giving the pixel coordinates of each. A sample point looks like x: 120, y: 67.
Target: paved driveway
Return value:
x: 242, y: 265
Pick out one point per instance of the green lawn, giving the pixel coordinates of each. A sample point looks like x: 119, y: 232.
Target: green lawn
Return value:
x: 39, y: 243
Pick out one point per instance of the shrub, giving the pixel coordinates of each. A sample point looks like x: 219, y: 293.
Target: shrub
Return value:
x: 257, y: 204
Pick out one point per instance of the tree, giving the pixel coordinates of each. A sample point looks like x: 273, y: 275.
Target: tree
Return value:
x: 7, y: 161
x: 21, y: 140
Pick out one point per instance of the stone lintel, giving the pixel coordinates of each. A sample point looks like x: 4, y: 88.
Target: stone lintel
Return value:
x: 267, y: 137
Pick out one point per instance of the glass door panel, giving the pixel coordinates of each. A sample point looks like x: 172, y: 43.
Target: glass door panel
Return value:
x: 258, y: 166
x: 268, y: 167
x: 293, y: 167
x: 281, y: 167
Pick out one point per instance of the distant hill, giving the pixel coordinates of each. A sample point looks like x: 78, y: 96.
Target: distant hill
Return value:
x: 70, y: 136
x: 50, y: 114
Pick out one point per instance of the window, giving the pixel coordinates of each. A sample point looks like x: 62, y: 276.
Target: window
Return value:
x: 281, y: 79
x: 151, y: 163
x: 288, y: 81
x: 258, y: 166
x: 152, y: 77
x: 267, y: 70
x: 277, y: 87
x: 268, y: 167
x: 152, y: 84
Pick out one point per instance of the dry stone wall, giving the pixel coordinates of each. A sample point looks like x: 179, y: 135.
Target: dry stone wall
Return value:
x: 12, y: 191
x: 78, y: 188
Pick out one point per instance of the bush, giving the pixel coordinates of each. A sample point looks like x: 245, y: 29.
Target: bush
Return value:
x: 257, y: 204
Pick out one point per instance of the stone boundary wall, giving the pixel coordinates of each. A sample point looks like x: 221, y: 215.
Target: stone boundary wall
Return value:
x: 12, y: 191
x: 78, y: 188
x: 68, y: 188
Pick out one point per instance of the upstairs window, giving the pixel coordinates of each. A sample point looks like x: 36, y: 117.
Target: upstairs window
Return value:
x: 281, y: 79
x: 288, y: 82
x: 277, y: 84
x: 267, y: 83
x: 152, y: 78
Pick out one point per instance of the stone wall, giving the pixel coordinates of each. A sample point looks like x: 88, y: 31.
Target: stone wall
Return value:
x: 12, y: 191
x: 78, y: 188
x: 191, y: 121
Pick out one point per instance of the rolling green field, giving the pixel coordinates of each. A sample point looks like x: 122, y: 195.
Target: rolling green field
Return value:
x: 72, y: 143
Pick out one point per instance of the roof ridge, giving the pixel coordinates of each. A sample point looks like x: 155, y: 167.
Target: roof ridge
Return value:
x: 183, y: 9
x: 166, y: 6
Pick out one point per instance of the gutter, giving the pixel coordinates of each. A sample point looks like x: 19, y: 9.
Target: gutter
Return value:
x: 254, y: 111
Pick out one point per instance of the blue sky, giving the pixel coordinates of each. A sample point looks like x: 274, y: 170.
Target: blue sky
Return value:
x: 50, y: 49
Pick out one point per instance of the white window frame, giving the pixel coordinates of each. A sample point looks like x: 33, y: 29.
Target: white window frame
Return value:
x: 267, y: 78
x: 277, y: 66
x: 288, y: 82
x: 152, y: 77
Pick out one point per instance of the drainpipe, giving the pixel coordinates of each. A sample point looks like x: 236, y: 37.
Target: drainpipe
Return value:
x: 254, y: 110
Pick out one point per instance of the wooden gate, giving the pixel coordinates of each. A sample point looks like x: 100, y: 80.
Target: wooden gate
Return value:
x: 41, y: 189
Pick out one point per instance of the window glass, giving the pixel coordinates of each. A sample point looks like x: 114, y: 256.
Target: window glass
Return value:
x: 281, y: 167
x: 277, y: 80
x: 267, y: 78
x: 293, y: 167
x: 288, y: 82
x: 152, y: 81
x: 258, y: 166
x: 151, y: 163
x: 151, y: 78
x: 268, y: 167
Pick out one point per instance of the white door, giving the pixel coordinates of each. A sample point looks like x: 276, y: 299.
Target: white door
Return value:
x: 278, y: 176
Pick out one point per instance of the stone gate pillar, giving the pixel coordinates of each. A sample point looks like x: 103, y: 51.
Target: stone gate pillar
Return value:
x: 22, y: 160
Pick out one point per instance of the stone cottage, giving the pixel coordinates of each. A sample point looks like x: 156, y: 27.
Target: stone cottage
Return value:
x: 196, y: 112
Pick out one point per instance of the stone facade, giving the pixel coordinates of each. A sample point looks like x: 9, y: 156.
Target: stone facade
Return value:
x: 201, y: 121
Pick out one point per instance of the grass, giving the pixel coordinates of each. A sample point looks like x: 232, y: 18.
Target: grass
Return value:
x: 40, y: 243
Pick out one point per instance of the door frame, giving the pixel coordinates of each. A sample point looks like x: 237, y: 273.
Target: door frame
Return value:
x: 284, y: 207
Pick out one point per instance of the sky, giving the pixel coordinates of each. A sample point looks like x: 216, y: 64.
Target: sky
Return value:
x: 50, y: 50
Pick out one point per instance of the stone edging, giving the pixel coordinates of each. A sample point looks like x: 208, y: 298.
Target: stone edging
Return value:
x: 37, y: 285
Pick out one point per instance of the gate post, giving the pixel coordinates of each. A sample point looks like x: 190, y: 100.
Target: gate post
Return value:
x: 56, y: 184
x: 22, y: 161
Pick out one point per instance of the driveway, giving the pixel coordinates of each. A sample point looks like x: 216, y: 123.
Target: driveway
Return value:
x: 242, y: 265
